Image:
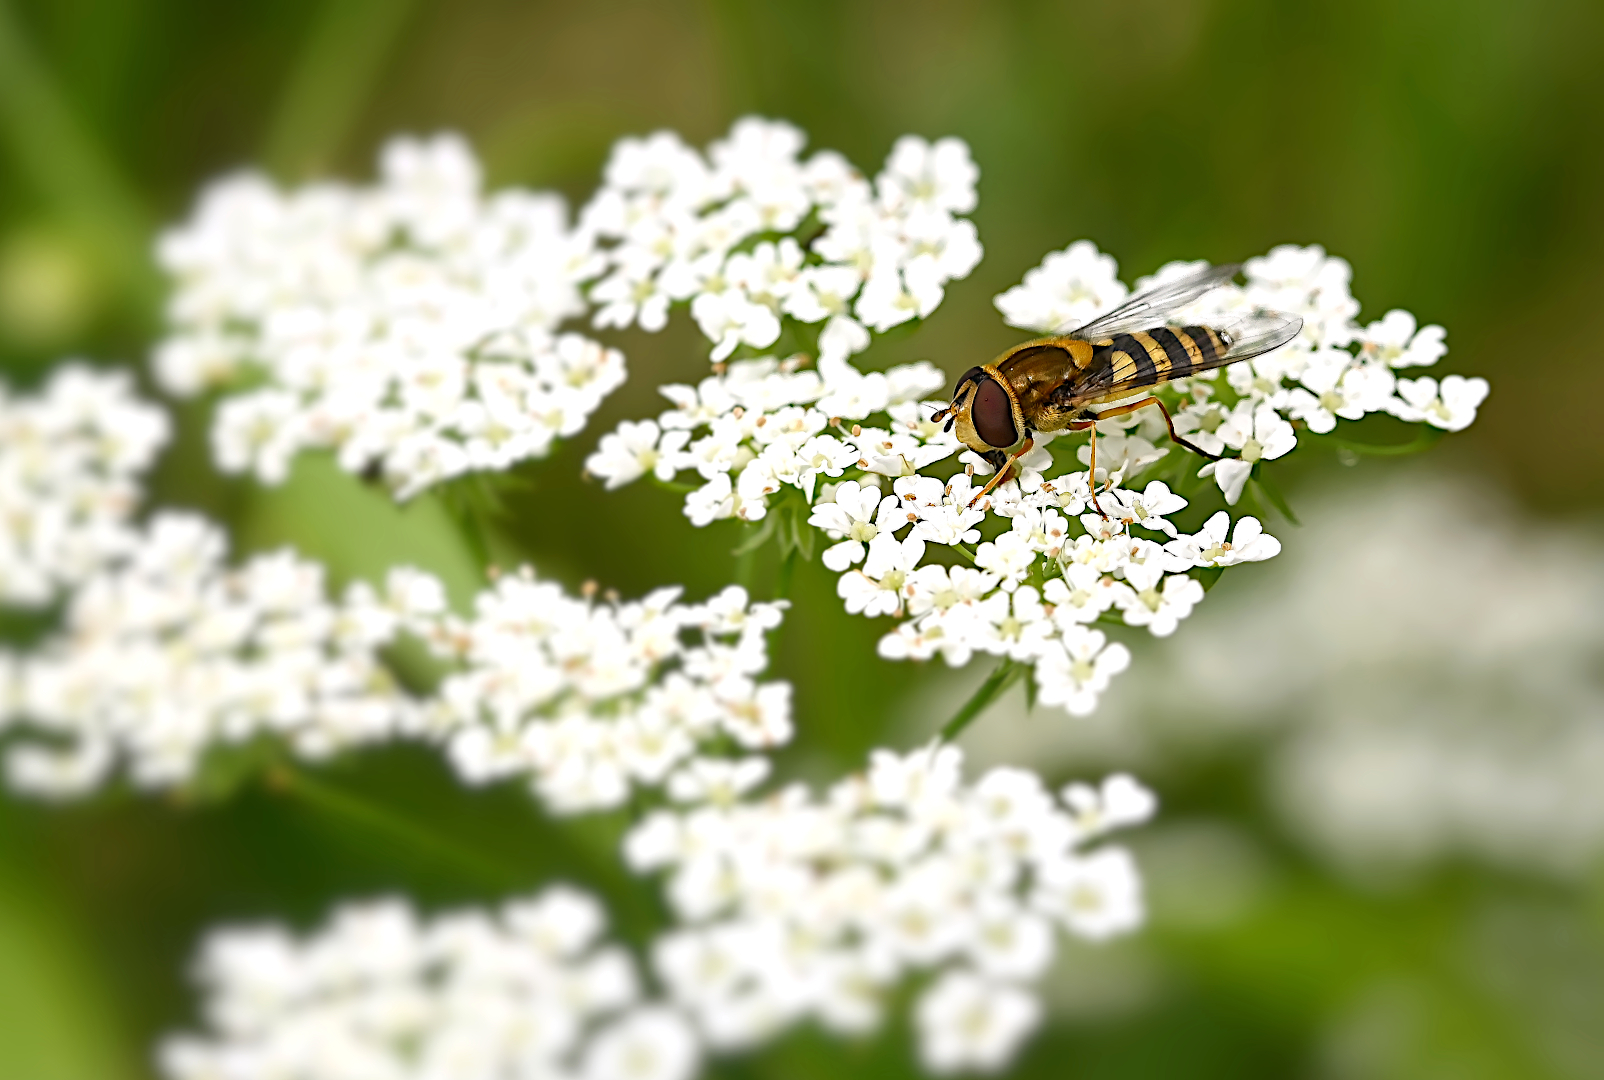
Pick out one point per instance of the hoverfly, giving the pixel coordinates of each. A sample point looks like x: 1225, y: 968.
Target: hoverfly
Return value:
x: 1052, y: 383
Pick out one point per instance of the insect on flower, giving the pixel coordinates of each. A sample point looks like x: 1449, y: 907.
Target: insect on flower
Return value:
x: 1053, y: 383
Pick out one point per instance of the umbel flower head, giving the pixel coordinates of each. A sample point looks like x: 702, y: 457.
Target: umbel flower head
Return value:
x: 411, y: 327
x: 839, y: 255
x: 804, y: 906
x: 169, y: 653
x: 528, y: 990
x: 71, y: 458
x: 1024, y: 573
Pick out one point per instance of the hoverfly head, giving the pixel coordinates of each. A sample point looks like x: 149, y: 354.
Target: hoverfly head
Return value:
x: 984, y: 411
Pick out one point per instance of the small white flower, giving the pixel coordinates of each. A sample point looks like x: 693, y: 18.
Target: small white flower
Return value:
x: 1157, y: 600
x: 1082, y: 594
x: 1073, y: 671
x: 729, y: 319
x: 1452, y: 406
x: 1096, y: 896
x: 1010, y: 557
x: 1395, y: 341
x: 929, y: 176
x: 1069, y: 288
x: 1209, y: 547
x: 1119, y: 803
x: 647, y: 1044
x: 966, y: 1022
x: 855, y: 517
x: 877, y: 588
x: 627, y: 454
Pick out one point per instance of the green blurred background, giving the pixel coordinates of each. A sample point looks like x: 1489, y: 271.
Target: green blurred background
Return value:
x: 1451, y: 151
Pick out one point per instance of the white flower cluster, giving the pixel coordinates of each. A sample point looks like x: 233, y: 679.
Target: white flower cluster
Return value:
x: 171, y: 652
x: 588, y: 699
x: 750, y: 235
x: 529, y: 991
x: 1428, y: 731
x: 800, y: 907
x: 1033, y: 589
x: 409, y: 326
x: 70, y: 461
x: 768, y: 427
x: 1335, y: 368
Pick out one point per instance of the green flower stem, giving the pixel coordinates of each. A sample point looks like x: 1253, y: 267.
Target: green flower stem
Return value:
x: 386, y: 822
x: 1005, y: 675
x: 782, y: 583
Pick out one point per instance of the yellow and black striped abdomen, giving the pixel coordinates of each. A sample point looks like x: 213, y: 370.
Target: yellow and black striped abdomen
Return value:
x: 1149, y: 357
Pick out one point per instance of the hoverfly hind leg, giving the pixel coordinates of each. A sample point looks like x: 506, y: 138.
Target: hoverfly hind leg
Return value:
x: 1169, y: 423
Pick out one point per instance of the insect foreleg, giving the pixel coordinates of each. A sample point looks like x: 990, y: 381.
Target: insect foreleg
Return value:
x: 1002, y: 472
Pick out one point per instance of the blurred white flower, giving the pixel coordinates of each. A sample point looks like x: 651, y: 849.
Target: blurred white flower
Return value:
x: 806, y: 906
x: 587, y: 699
x: 71, y: 459
x: 529, y: 990
x: 1421, y: 672
x: 171, y: 652
x: 408, y: 326
x: 970, y: 1023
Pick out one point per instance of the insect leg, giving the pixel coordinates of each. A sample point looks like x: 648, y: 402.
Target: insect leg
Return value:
x: 1002, y: 472
x: 1168, y: 422
x: 1091, y: 476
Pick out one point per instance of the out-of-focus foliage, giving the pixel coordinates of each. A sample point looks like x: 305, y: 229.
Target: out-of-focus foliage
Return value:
x: 1448, y: 150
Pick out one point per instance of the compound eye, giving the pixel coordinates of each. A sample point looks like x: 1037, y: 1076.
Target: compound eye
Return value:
x: 993, y: 415
x: 965, y: 379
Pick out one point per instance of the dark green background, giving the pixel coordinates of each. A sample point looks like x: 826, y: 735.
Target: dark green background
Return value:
x: 1450, y: 150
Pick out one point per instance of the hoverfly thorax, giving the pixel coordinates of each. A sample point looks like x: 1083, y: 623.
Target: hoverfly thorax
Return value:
x: 985, y: 412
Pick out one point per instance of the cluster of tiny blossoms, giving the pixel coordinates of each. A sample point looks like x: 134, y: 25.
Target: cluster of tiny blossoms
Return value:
x: 1335, y: 368
x: 754, y: 238
x: 171, y: 652
x: 1031, y: 591
x: 801, y: 907
x: 588, y: 698
x: 70, y: 461
x: 763, y: 434
x: 529, y: 991
x: 410, y: 326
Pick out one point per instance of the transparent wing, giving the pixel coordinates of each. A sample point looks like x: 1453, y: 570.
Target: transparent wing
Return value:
x: 1246, y: 335
x: 1252, y: 334
x: 1154, y: 307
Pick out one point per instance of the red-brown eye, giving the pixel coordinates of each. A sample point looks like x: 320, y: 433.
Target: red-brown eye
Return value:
x: 993, y: 415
